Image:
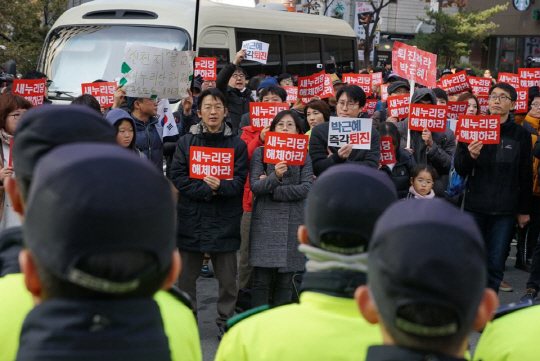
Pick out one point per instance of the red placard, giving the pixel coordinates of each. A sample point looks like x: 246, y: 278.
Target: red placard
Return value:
x: 311, y: 86
x: 485, y: 128
x: 388, y: 155
x: 362, y: 80
x: 103, y: 92
x: 432, y: 117
x: 398, y: 106
x: 483, y: 101
x: 510, y: 78
x: 412, y: 63
x: 291, y: 148
x: 32, y: 90
x: 529, y: 77
x: 328, y: 87
x: 292, y: 94
x: 371, y: 105
x: 455, y: 83
x: 455, y: 109
x: 479, y: 86
x: 384, y: 92
x: 376, y: 79
x: 522, y: 102
x: 262, y: 114
x: 206, y: 67
x: 206, y: 161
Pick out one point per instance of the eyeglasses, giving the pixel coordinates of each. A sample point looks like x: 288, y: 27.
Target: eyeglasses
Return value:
x: 498, y: 97
x: 217, y: 107
x: 285, y: 125
x: 238, y: 76
x: 423, y: 181
x: 535, y: 105
x: 348, y: 105
x: 209, y: 81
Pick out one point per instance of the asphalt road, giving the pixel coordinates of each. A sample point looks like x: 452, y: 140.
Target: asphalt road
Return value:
x: 207, y: 290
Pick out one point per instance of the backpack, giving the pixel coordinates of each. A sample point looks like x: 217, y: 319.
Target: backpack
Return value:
x: 456, y: 184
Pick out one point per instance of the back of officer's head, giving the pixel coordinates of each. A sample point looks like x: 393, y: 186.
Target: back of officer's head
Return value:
x: 99, y: 224
x: 427, y: 274
x: 343, y: 206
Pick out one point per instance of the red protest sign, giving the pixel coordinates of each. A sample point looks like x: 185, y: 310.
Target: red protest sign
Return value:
x: 455, y: 83
x: 376, y: 79
x: 398, y: 106
x: 311, y: 86
x: 291, y: 148
x: 522, y: 102
x: 485, y: 128
x: 328, y: 87
x: 510, y: 78
x: 483, y: 101
x: 479, y: 86
x: 292, y: 94
x: 384, y: 92
x: 32, y: 90
x: 529, y: 77
x: 455, y: 109
x: 262, y: 114
x: 206, y: 161
x: 371, y: 105
x: 103, y: 92
x: 412, y: 63
x: 362, y: 80
x: 388, y: 155
x: 432, y: 117
x: 206, y: 67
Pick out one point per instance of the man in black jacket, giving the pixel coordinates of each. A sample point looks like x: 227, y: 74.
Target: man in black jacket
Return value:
x: 499, y: 187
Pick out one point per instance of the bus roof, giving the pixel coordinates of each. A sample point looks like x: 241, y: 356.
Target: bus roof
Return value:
x: 181, y: 13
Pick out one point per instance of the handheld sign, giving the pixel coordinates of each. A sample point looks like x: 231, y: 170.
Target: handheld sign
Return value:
x: 166, y: 119
x: 483, y: 101
x: 388, y: 155
x: 206, y: 161
x: 103, y: 92
x: 32, y: 90
x: 485, y: 128
x: 311, y: 86
x: 292, y: 94
x: 522, y: 102
x: 510, y: 78
x: 206, y: 67
x: 354, y: 131
x: 328, y: 89
x: 398, y: 106
x: 376, y: 79
x: 479, y: 86
x: 256, y: 50
x: 362, y: 80
x: 384, y: 92
x: 427, y: 116
x: 529, y: 77
x: 455, y: 109
x: 414, y: 64
x: 291, y: 148
x: 262, y: 114
x: 455, y: 83
x: 371, y: 105
x: 150, y: 72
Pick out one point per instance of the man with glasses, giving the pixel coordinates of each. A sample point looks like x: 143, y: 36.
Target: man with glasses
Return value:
x: 499, y: 187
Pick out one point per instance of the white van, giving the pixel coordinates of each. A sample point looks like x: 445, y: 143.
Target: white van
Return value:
x: 87, y: 42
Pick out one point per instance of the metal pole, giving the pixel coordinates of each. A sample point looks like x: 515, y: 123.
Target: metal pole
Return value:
x: 195, y: 35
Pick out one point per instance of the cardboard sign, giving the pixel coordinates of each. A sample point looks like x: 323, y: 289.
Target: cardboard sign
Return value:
x: 362, y: 80
x: 256, y: 50
x: 529, y: 77
x: 455, y: 83
x: 206, y: 161
x: 262, y: 114
x: 354, y: 131
x: 32, y: 90
x: 398, y: 106
x: 206, y: 67
x: 522, y: 102
x: 311, y: 86
x: 388, y: 155
x: 103, y: 92
x: 483, y: 101
x: 292, y: 94
x: 384, y: 92
x: 376, y: 79
x: 455, y: 109
x: 432, y: 117
x: 510, y: 78
x: 412, y: 63
x: 371, y: 105
x: 291, y: 148
x: 485, y: 128
x: 479, y: 86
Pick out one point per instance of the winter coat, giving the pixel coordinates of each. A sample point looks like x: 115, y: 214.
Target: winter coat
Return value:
x: 533, y: 126
x: 253, y: 141
x: 11, y: 244
x: 401, y: 172
x: 278, y: 211
x: 207, y: 222
x: 149, y: 140
x: 500, y: 179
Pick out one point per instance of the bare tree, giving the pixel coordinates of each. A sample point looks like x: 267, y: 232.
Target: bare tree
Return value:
x: 369, y: 19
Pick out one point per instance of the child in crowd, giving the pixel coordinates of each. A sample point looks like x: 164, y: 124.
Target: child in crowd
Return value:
x: 422, y: 182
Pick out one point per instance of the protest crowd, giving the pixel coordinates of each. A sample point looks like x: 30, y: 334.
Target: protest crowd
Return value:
x: 344, y: 216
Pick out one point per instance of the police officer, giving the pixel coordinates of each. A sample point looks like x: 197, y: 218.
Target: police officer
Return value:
x: 427, y: 282
x: 341, y: 210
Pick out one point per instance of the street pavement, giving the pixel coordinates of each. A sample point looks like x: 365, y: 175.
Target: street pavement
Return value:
x: 207, y: 291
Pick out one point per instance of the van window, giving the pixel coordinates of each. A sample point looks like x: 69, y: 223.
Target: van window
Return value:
x: 302, y: 54
x: 340, y: 51
x: 222, y: 55
x: 273, y: 64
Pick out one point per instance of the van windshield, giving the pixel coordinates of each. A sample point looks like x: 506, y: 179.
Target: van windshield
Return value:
x: 82, y: 54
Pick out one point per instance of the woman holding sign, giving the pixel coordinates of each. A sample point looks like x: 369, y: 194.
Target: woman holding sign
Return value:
x: 278, y: 210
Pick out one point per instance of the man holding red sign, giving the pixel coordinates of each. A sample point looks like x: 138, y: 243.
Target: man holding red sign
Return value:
x: 499, y: 187
x: 209, y: 209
